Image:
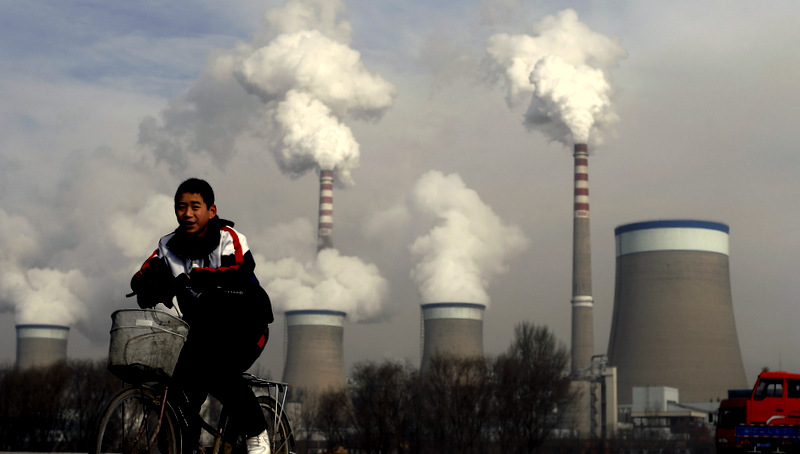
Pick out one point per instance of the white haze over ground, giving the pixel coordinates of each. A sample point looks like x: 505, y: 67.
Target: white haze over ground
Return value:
x: 690, y: 110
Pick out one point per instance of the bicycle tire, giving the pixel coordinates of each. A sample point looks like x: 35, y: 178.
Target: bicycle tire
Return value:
x: 131, y: 419
x: 280, y: 433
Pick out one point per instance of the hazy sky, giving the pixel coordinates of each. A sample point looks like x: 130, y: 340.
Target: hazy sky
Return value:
x: 107, y: 106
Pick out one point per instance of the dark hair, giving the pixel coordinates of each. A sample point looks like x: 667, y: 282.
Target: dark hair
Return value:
x: 196, y: 186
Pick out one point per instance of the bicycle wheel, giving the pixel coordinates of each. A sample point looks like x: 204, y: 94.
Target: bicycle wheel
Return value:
x: 130, y: 425
x: 280, y: 434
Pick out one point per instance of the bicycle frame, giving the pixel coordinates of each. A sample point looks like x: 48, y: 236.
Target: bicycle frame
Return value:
x: 278, y: 391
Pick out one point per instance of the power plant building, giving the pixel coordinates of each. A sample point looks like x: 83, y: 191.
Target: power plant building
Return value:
x: 314, y: 351
x: 41, y: 345
x: 451, y: 329
x: 673, y: 323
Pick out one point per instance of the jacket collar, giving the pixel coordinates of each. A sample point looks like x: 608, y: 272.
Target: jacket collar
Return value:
x: 193, y: 247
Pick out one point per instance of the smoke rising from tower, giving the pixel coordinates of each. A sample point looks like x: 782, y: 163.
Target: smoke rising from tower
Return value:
x: 36, y: 295
x: 467, y: 246
x: 316, y: 81
x: 328, y: 281
x: 294, y: 85
x: 560, y: 72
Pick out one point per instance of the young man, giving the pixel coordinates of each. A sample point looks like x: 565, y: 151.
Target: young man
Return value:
x: 208, y: 266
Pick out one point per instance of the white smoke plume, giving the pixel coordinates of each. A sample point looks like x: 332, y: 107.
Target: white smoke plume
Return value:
x: 35, y: 295
x: 468, y: 245
x: 297, y: 65
x: 297, y: 15
x: 45, y: 295
x: 316, y: 82
x: 326, y: 280
x: 561, y: 70
x: 136, y: 234
x: 312, y: 138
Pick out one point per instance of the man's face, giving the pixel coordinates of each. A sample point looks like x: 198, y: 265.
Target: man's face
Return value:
x: 193, y: 214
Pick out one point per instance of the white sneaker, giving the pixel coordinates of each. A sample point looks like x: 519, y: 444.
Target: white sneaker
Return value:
x: 258, y: 444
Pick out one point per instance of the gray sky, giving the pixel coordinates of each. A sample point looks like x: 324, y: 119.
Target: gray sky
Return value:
x: 107, y: 107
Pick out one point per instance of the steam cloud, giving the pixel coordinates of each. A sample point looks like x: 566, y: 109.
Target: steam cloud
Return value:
x: 468, y: 245
x: 561, y: 71
x: 327, y: 280
x: 307, y: 81
x: 36, y: 295
x: 317, y: 81
x: 69, y: 271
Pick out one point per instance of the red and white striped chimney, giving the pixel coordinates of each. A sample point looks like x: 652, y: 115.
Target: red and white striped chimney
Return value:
x: 325, y: 226
x: 582, y: 301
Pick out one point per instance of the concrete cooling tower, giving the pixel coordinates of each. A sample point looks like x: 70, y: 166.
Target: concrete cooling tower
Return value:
x: 314, y: 351
x: 673, y: 322
x: 451, y: 329
x: 41, y: 345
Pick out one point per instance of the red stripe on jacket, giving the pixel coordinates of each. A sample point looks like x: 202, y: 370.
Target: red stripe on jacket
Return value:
x: 238, y: 255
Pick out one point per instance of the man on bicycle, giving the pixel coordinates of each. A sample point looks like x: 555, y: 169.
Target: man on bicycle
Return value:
x: 208, y: 266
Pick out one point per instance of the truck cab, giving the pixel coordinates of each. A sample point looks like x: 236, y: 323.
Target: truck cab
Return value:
x: 775, y: 399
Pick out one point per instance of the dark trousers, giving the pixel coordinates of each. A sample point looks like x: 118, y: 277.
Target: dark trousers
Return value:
x: 211, y: 362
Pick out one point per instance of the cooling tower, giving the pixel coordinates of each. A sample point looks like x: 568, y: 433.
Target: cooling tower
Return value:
x: 41, y: 345
x: 325, y: 226
x: 582, y: 301
x: 451, y: 329
x: 673, y: 321
x: 314, y: 350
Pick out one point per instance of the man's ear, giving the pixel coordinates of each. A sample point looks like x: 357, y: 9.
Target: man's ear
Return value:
x: 213, y: 210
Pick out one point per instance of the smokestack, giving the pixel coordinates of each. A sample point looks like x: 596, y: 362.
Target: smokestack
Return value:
x: 41, y: 345
x: 314, y: 351
x: 451, y: 329
x: 325, y: 229
x: 582, y: 301
x: 673, y: 322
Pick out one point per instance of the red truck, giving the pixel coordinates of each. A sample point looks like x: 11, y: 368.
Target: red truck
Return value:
x: 765, y: 419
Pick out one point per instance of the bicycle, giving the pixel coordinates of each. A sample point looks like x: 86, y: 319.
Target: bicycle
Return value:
x: 145, y: 418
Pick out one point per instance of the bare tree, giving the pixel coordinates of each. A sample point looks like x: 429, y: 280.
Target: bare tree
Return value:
x: 457, y: 402
x: 532, y: 389
x: 90, y: 388
x: 382, y: 405
x: 53, y: 408
x: 334, y: 416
